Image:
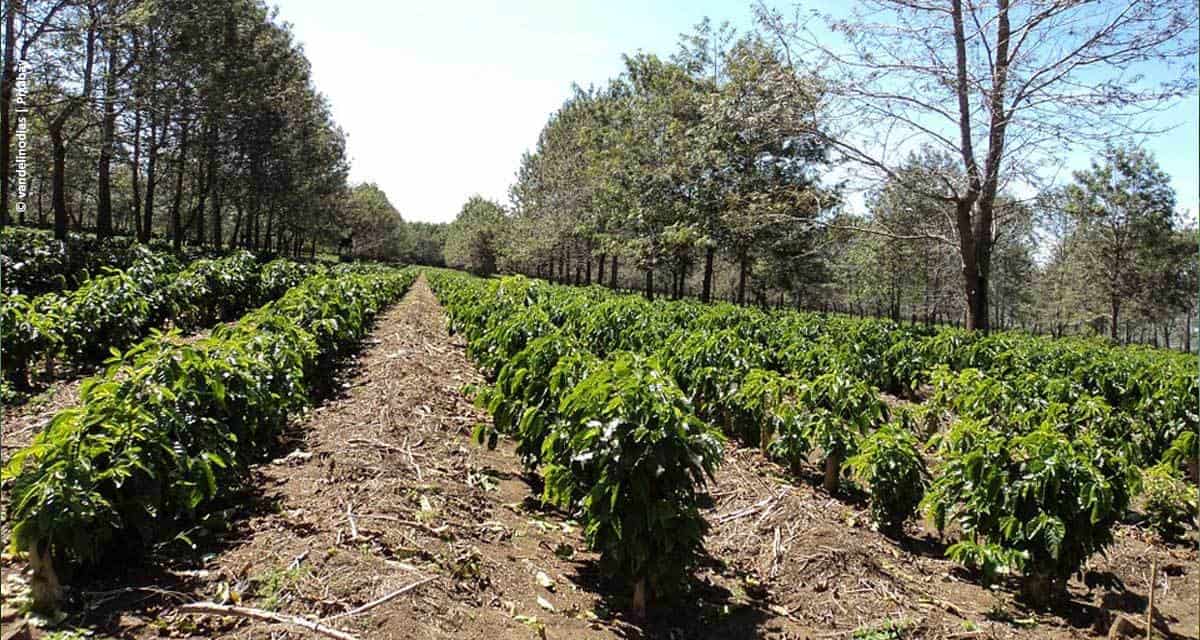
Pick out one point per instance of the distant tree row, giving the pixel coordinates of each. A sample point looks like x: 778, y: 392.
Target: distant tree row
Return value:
x: 196, y: 121
x: 727, y: 170
x: 1107, y: 254
x: 372, y: 228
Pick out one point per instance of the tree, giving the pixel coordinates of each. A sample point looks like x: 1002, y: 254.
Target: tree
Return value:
x: 205, y: 112
x: 68, y: 67
x: 471, y: 240
x: 422, y: 242
x: 25, y: 23
x: 371, y: 225
x: 1124, y: 210
x: 1026, y: 79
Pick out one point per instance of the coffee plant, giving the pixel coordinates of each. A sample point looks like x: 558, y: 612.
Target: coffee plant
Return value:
x: 1038, y: 502
x: 890, y: 466
x: 1037, y: 441
x: 171, y: 427
x: 632, y: 460
x: 116, y: 309
x: 1170, y: 502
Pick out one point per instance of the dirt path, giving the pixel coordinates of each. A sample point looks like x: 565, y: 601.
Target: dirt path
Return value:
x: 22, y: 422
x: 383, y: 490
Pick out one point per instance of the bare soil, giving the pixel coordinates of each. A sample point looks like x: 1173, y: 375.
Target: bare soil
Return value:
x: 381, y: 489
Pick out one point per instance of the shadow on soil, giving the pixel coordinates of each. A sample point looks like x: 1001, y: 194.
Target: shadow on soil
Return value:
x: 131, y: 582
x: 704, y: 610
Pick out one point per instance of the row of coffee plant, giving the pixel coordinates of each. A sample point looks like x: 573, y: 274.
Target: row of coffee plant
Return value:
x: 1036, y: 492
x: 114, y: 310
x: 170, y: 428
x: 613, y: 434
x: 33, y: 261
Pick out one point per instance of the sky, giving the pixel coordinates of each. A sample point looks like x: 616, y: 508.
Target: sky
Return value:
x: 439, y: 100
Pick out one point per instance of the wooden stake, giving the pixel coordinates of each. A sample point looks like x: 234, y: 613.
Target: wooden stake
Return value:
x: 1150, y: 606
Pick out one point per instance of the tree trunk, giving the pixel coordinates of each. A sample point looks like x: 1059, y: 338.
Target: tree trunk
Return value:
x: 613, y: 272
x: 600, y: 269
x: 58, y: 142
x: 135, y: 170
x: 107, y: 125
x: 833, y: 473
x: 58, y: 196
x: 7, y: 79
x: 41, y: 198
x: 706, y: 289
x: 1116, y: 312
x: 217, y: 237
x: 256, y: 236
x: 198, y: 215
x: 743, y: 269
x: 1187, y: 330
x: 237, y: 224
x: 587, y: 274
x: 639, y: 599
x: 151, y: 181
x: 177, y: 202
x: 268, y: 248
x: 44, y: 584
x: 650, y: 283
x: 973, y: 272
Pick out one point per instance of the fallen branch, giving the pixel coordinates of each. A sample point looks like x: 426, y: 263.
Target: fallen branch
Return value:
x: 437, y: 531
x: 385, y: 599
x: 745, y: 511
x: 213, y: 608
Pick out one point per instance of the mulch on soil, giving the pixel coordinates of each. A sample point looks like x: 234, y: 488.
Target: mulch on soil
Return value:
x: 383, y: 491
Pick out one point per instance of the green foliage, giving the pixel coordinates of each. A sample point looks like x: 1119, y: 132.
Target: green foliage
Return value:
x: 1184, y: 450
x: 169, y: 427
x: 890, y: 465
x: 524, y: 400
x: 889, y: 630
x: 370, y: 227
x: 764, y: 402
x: 616, y: 440
x: 33, y: 262
x: 1041, y: 501
x: 831, y: 414
x: 471, y: 240
x: 1035, y: 470
x: 1170, y: 503
x: 630, y: 457
x: 25, y: 331
x: 709, y: 365
x: 117, y: 308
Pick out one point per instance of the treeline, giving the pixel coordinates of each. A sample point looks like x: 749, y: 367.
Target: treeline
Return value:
x: 374, y: 229
x: 194, y: 121
x: 1105, y: 254
x: 719, y: 172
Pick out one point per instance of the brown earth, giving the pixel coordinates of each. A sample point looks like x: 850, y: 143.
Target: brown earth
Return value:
x: 22, y: 422
x: 381, y: 489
